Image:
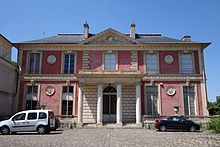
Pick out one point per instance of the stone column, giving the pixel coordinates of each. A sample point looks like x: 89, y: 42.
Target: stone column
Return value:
x: 119, y: 107
x: 99, y: 105
x: 138, y: 105
x: 80, y: 107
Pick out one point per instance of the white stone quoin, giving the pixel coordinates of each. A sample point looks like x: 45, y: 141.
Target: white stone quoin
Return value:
x: 138, y: 105
x: 80, y: 107
x: 119, y: 106
x: 99, y: 105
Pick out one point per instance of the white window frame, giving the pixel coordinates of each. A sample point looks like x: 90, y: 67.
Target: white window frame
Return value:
x: 116, y: 61
x: 145, y: 63
x: 28, y: 62
x: 180, y: 63
x: 195, y: 99
x: 63, y: 62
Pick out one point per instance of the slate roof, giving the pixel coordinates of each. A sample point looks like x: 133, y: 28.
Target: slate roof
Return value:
x: 139, y: 38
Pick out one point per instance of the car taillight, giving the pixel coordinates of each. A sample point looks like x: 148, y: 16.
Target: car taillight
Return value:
x: 157, y: 121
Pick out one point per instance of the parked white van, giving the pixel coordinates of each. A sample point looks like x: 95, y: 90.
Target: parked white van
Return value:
x: 42, y: 121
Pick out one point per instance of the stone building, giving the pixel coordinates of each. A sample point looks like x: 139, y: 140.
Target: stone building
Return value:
x: 112, y: 77
x: 8, y: 79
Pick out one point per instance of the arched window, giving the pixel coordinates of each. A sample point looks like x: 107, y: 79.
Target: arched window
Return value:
x: 109, y: 89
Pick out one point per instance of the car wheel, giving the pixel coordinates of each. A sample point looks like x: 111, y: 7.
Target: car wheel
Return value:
x: 5, y: 130
x: 163, y: 128
x: 192, y: 129
x: 41, y: 130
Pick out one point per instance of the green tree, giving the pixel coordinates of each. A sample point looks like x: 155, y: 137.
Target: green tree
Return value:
x: 214, y: 107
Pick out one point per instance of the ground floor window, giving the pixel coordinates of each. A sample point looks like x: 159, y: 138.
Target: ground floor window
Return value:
x: 31, y: 97
x: 67, y: 100
x: 189, y: 100
x: 151, y: 100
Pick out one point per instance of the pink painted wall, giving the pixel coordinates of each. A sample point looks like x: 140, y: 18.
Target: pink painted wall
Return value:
x: 124, y: 60
x: 172, y: 68
x: 51, y: 102
x: 199, y: 94
x: 196, y: 60
x: 24, y: 62
x: 95, y: 60
x: 168, y: 102
x: 79, y: 61
x: 51, y: 68
x: 21, y: 96
x: 141, y: 61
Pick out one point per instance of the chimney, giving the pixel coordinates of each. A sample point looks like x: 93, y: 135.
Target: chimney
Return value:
x: 86, y: 30
x: 132, y: 30
x: 186, y: 38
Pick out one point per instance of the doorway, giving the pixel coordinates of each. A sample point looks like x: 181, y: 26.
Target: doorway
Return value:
x: 109, y: 104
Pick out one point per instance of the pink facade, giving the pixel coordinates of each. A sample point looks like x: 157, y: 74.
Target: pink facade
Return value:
x: 145, y: 76
x: 51, y: 68
x: 95, y: 60
x: 124, y: 60
x: 172, y: 68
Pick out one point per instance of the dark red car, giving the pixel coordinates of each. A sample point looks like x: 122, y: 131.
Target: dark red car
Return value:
x: 176, y: 123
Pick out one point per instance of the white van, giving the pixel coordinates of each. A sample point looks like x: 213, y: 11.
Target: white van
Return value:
x: 42, y: 121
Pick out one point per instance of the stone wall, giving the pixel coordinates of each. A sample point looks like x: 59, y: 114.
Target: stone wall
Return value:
x: 90, y: 104
x: 128, y: 103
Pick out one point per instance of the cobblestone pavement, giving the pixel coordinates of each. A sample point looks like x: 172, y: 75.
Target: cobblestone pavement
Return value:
x: 111, y: 138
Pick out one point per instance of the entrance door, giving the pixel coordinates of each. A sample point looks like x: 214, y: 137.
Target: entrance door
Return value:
x: 109, y: 105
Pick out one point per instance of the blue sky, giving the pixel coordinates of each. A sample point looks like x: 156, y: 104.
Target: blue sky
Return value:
x: 23, y: 20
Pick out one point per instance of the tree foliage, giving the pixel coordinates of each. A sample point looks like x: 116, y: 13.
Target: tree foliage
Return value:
x: 214, y: 107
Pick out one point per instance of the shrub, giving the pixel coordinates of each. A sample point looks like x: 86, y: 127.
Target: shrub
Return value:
x: 214, y: 124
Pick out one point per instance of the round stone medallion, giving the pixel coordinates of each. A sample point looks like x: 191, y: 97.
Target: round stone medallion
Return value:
x: 170, y: 90
x: 169, y: 59
x: 51, y: 59
x: 49, y: 90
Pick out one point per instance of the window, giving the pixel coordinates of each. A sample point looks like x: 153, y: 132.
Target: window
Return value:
x: 68, y: 63
x: 32, y: 116
x: 151, y: 100
x: 67, y: 100
x: 151, y: 63
x: 34, y: 63
x: 31, y: 97
x: 110, y: 61
x: 42, y: 115
x: 19, y: 117
x: 189, y: 100
x: 186, y: 63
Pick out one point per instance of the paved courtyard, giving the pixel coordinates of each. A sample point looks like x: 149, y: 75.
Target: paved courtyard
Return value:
x: 110, y: 138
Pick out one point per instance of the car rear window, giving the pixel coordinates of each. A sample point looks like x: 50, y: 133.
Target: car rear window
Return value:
x: 32, y: 116
x: 42, y: 115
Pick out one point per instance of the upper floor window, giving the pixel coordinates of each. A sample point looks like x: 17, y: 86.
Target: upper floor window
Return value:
x: 151, y: 63
x: 69, y: 63
x: 34, y: 63
x: 109, y: 61
x: 186, y: 60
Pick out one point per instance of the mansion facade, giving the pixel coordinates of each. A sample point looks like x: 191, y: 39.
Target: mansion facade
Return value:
x: 111, y: 77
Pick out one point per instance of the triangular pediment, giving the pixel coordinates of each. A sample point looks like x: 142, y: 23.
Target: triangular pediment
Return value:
x: 109, y: 36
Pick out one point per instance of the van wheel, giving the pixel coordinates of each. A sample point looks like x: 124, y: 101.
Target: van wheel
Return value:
x: 163, y: 128
x: 41, y: 130
x: 5, y: 130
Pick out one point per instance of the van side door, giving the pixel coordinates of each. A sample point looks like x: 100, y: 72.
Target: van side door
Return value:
x: 18, y: 122
x: 31, y: 121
